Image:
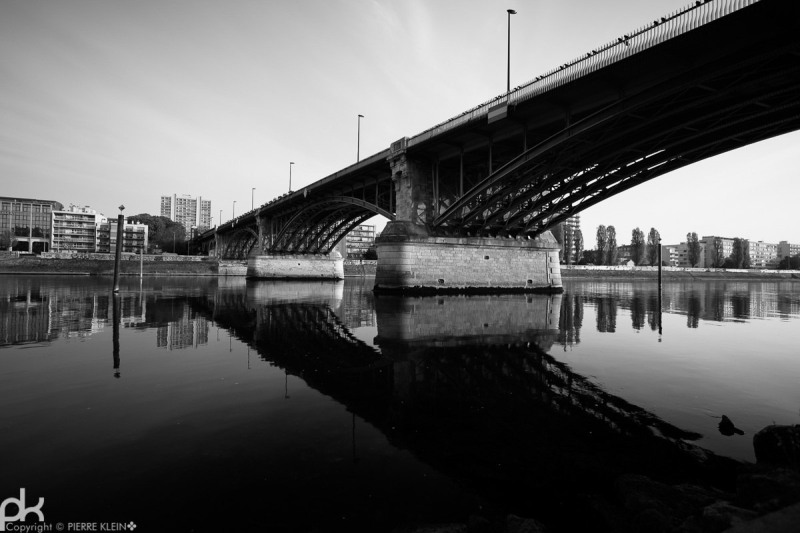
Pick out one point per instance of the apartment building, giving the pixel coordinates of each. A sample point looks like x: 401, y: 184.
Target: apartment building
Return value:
x: 187, y: 211
x: 359, y: 240
x: 134, y: 237
x: 75, y: 229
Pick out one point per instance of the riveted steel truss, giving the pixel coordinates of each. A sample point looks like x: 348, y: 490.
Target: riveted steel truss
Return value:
x: 697, y: 115
x: 318, y: 225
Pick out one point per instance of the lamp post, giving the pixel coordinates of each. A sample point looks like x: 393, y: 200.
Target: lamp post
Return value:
x: 252, y: 196
x: 358, y: 144
x: 219, y: 222
x: 290, y: 175
x: 233, y: 210
x: 508, y: 71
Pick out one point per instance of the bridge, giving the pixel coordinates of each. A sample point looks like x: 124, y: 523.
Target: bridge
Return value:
x: 470, y: 200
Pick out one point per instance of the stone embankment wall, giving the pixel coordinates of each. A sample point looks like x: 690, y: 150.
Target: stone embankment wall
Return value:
x: 360, y: 267
x: 672, y: 273
x: 130, y: 266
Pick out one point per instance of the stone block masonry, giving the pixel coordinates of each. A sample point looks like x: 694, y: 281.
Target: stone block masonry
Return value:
x: 409, y: 260
x: 296, y: 266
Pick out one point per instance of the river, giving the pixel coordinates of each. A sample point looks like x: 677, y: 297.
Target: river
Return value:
x: 224, y: 404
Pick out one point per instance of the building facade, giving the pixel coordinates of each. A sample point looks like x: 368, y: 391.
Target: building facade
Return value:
x: 359, y: 240
x: 787, y: 249
x: 26, y: 223
x: 670, y: 255
x: 134, y: 237
x: 763, y: 254
x: 75, y: 229
x: 188, y: 211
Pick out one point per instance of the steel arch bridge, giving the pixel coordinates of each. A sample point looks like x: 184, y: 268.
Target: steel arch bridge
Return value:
x: 707, y: 79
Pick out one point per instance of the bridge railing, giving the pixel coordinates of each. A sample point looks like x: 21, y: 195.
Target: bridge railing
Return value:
x: 676, y: 23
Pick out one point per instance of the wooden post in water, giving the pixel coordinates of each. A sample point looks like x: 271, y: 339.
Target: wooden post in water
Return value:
x: 118, y: 255
x: 659, y: 289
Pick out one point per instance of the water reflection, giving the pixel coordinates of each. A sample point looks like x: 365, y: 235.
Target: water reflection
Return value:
x: 470, y: 386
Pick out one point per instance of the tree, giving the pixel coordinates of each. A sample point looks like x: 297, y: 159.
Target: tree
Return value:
x: 693, y: 246
x: 718, y: 256
x: 637, y: 246
x: 578, y: 245
x: 8, y: 240
x: 602, y: 245
x: 163, y: 232
x: 612, y: 252
x: 371, y: 253
x: 740, y: 256
x: 653, y: 246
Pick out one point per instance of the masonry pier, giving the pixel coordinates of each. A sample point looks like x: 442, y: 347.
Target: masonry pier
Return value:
x: 296, y: 266
x: 410, y: 260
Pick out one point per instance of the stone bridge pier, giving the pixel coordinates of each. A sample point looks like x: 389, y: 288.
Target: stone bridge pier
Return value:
x: 412, y: 257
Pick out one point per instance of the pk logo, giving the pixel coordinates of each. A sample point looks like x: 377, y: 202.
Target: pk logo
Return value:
x: 22, y: 511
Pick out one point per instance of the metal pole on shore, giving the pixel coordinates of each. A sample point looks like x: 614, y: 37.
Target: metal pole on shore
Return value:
x: 118, y: 255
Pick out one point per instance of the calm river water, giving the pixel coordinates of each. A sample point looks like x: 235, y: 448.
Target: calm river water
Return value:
x: 233, y: 405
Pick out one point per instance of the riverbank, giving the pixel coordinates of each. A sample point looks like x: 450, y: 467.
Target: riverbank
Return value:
x: 210, y: 266
x: 675, y: 273
x: 99, y: 267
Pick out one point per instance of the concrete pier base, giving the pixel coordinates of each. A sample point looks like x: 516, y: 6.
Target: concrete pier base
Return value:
x: 412, y: 261
x: 299, y: 266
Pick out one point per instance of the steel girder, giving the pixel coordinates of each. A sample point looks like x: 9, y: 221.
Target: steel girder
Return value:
x: 700, y: 114
x: 238, y: 244
x: 317, y: 226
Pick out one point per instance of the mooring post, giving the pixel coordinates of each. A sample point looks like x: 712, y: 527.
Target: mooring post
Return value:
x: 118, y: 255
x: 659, y: 289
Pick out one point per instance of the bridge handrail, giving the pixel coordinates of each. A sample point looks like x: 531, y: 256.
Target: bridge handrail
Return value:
x: 676, y: 23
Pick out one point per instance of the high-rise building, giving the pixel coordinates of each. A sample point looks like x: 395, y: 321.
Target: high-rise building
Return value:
x: 571, y: 226
x: 25, y: 223
x: 188, y: 211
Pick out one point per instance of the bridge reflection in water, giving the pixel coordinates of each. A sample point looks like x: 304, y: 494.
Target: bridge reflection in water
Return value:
x: 473, y: 386
x: 465, y: 383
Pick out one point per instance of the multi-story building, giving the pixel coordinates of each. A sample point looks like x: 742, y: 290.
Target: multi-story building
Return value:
x: 571, y: 226
x: 359, y: 240
x: 188, y: 211
x: 134, y: 237
x: 763, y: 254
x: 683, y: 255
x: 669, y: 254
x: 75, y: 229
x: 708, y: 243
x: 25, y: 223
x: 787, y: 249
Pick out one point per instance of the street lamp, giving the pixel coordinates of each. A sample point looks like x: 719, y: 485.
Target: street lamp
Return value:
x: 252, y: 196
x: 508, y: 75
x: 290, y: 175
x: 219, y: 222
x: 233, y: 210
x: 358, y: 145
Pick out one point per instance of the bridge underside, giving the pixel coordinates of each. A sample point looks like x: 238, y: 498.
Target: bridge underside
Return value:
x: 703, y: 109
x: 681, y: 90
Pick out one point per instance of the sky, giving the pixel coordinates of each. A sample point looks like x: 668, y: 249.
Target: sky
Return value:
x: 110, y: 102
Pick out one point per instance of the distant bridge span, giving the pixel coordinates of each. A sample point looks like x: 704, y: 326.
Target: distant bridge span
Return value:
x: 710, y: 78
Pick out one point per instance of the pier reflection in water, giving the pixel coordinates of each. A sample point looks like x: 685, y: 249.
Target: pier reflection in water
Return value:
x: 300, y: 405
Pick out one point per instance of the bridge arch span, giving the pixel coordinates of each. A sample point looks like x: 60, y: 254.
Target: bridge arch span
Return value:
x: 317, y: 226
